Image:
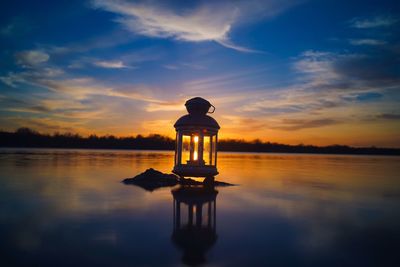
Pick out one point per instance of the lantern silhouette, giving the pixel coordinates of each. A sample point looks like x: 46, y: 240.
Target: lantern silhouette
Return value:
x: 195, y: 229
x: 196, y: 141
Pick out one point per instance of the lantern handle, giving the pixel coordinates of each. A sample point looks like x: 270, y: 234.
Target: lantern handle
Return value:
x: 212, y: 110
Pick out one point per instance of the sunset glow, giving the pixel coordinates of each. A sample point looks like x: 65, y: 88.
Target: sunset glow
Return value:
x: 127, y: 67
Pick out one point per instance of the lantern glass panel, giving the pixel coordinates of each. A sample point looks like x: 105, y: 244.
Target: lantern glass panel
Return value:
x: 214, y: 150
x: 207, y: 150
x: 185, y: 149
x: 176, y: 148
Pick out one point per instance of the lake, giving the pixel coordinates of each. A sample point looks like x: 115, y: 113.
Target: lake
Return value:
x: 69, y: 208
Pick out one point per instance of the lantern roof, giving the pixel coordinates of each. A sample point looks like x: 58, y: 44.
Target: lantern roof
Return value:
x: 197, y: 121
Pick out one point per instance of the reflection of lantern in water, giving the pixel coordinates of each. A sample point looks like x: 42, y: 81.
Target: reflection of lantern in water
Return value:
x: 194, y: 222
x: 196, y: 141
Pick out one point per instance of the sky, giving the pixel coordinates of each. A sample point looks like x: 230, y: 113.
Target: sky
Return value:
x: 312, y: 72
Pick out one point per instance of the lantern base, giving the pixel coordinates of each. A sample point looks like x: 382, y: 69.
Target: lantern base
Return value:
x: 195, y: 171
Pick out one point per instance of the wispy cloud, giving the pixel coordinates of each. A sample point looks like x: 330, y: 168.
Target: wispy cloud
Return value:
x: 81, y: 104
x: 346, y: 71
x: 158, y: 126
x: 44, y: 124
x: 202, y: 24
x: 212, y: 22
x: 299, y: 124
x: 379, y: 21
x: 125, y: 60
x: 327, y: 82
x: 212, y: 84
x: 242, y: 123
x: 229, y: 44
x: 171, y: 67
x: 165, y: 106
x: 181, y: 65
x: 117, y: 64
x: 388, y: 116
x: 77, y: 89
x: 31, y: 76
x: 31, y: 58
x: 366, y: 42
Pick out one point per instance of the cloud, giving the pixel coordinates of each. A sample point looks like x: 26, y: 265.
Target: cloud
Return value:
x: 129, y: 60
x: 165, y: 106
x: 19, y: 105
x: 379, y: 21
x: 83, y: 88
x: 201, y: 24
x: 227, y: 43
x: 117, y: 64
x: 45, y: 124
x: 368, y: 96
x: 293, y: 101
x: 244, y: 123
x: 212, y: 22
x: 366, y: 42
x: 31, y: 58
x: 330, y: 81
x: 31, y: 109
x: 171, y: 67
x: 256, y: 124
x: 183, y: 65
x: 32, y: 76
x: 299, y: 124
x: 211, y: 85
x: 388, y: 116
x: 344, y: 71
x: 163, y: 127
x: 297, y: 99
x: 157, y: 22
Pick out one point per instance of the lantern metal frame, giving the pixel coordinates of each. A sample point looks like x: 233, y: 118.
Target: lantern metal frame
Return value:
x: 199, y: 161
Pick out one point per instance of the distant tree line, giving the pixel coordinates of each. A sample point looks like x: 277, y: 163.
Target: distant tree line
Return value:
x: 25, y: 137
x: 258, y: 146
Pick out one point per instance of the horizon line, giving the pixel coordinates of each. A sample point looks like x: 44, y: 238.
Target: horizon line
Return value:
x: 246, y: 141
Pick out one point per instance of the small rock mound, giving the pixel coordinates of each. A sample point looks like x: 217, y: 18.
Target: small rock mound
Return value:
x: 152, y: 179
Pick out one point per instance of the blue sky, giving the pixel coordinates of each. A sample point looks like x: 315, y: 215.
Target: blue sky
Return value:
x: 314, y: 72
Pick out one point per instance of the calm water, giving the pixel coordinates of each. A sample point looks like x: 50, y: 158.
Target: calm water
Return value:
x: 69, y: 208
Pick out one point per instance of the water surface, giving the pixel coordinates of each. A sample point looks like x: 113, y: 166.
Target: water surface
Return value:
x: 69, y: 208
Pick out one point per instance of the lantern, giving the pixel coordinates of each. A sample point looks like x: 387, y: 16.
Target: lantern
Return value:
x: 196, y: 141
